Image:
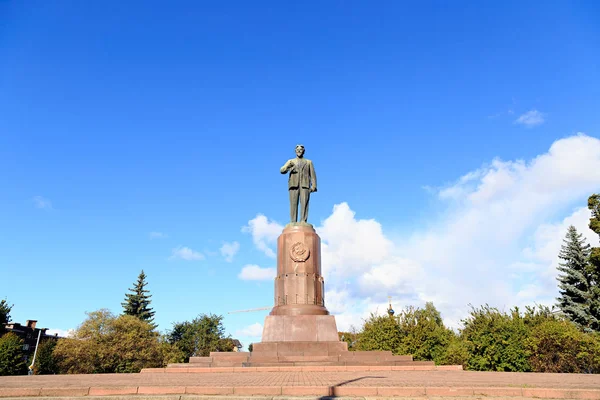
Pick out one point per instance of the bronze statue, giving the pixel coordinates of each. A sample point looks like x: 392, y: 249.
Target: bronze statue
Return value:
x: 301, y: 183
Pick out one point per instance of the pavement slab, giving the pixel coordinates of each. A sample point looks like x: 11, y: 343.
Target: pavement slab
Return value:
x: 305, y: 384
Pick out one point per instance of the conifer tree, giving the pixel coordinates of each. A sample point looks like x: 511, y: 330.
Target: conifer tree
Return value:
x: 594, y: 264
x: 574, y: 280
x: 137, y: 303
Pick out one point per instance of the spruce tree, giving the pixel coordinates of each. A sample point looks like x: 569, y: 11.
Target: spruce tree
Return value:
x: 594, y: 264
x: 137, y: 303
x: 574, y: 279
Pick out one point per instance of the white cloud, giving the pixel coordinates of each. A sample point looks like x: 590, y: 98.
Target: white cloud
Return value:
x: 229, y: 250
x: 250, y: 331
x: 531, y: 118
x: 264, y: 233
x: 255, y: 273
x: 60, y: 332
x: 494, y: 240
x: 157, y: 235
x: 42, y: 203
x: 185, y: 253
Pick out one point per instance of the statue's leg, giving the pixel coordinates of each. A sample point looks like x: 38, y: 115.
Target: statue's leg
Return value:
x: 294, y: 192
x: 304, y: 200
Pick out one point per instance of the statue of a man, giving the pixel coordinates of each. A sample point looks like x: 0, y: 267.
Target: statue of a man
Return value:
x: 302, y: 182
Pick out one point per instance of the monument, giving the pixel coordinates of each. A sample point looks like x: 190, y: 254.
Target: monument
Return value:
x: 301, y: 183
x: 299, y: 330
x: 299, y: 313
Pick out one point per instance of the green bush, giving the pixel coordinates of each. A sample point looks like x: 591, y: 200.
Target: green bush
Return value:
x: 107, y: 344
x: 559, y: 346
x: 423, y: 333
x: 496, y: 340
x: 380, y: 333
x: 45, y: 363
x: 457, y: 353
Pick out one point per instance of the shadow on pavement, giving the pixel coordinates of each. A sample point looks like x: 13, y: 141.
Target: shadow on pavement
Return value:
x: 332, y: 392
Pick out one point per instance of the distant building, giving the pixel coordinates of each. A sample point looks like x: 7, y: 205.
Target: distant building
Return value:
x: 29, y: 333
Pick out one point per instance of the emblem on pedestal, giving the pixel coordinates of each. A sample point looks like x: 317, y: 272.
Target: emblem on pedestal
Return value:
x: 299, y: 252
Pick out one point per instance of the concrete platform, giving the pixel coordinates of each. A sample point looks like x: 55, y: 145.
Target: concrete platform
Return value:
x: 246, y: 382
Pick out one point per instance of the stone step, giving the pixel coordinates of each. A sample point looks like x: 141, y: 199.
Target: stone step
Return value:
x: 220, y: 363
x: 415, y: 363
x: 194, y: 360
x: 261, y: 358
x: 312, y: 359
x: 311, y: 363
x: 230, y: 354
x: 301, y: 354
x: 301, y: 347
x: 299, y: 363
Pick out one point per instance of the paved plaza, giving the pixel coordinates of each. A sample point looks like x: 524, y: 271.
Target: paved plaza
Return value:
x: 374, y: 383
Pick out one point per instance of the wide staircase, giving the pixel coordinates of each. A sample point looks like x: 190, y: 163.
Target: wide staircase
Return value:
x: 279, y: 354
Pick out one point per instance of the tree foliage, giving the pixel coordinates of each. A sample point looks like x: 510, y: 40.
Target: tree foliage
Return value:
x: 104, y: 343
x: 4, y: 314
x: 197, y: 338
x: 558, y: 346
x: 415, y: 331
x: 12, y: 360
x: 535, y: 339
x: 594, y: 207
x: 575, y: 280
x: 423, y: 333
x: 495, y: 340
x: 594, y: 263
x: 137, y: 303
x: 457, y: 353
x: 45, y: 362
x: 380, y: 332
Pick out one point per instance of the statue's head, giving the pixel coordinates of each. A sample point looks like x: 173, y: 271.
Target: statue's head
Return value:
x: 299, y: 151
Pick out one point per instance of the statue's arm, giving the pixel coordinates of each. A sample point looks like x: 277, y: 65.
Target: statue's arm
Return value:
x: 313, y: 177
x: 288, y: 164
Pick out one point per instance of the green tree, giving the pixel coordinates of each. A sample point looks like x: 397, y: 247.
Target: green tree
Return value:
x: 197, y: 338
x: 423, y: 333
x: 137, y: 303
x: 594, y: 264
x: 594, y: 207
x: 45, y: 363
x: 574, y: 279
x: 12, y: 359
x: 4, y: 314
x: 380, y: 332
x: 104, y: 343
x: 496, y: 340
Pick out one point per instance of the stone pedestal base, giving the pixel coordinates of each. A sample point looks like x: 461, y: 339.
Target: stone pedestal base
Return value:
x: 300, y: 328
x: 306, y: 349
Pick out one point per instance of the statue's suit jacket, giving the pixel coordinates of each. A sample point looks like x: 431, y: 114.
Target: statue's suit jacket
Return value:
x: 302, y: 176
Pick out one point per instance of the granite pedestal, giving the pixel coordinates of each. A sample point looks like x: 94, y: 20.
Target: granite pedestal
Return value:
x: 299, y: 331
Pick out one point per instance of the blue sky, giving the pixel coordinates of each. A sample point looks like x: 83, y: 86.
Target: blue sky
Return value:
x: 141, y: 135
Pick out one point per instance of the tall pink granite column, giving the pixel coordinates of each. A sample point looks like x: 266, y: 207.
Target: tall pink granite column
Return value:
x: 299, y: 313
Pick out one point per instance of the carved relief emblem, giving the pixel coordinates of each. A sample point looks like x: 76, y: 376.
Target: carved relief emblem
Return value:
x: 299, y: 252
